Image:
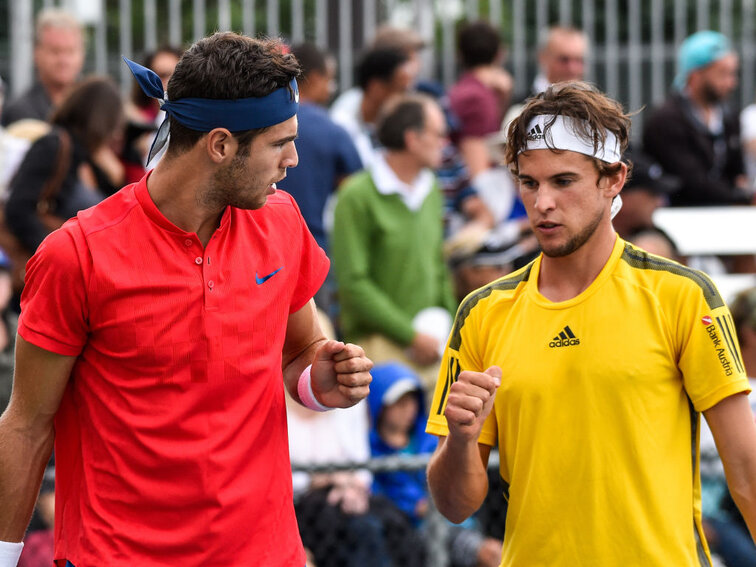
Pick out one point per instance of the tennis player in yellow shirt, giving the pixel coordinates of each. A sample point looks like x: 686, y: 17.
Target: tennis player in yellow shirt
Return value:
x: 589, y: 369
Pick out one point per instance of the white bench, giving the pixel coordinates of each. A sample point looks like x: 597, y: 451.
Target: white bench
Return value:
x: 713, y: 231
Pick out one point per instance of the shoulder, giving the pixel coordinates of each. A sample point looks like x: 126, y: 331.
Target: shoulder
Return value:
x: 316, y: 118
x: 360, y: 183
x: 279, y: 206
x: 45, y: 144
x: 666, y: 279
x: 34, y: 103
x: 63, y: 253
x: 279, y: 216
x: 670, y: 108
x: 502, y: 290
x: 109, y: 213
x: 280, y: 199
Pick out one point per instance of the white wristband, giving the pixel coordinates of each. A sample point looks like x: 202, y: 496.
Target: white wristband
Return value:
x: 306, y: 395
x: 9, y: 553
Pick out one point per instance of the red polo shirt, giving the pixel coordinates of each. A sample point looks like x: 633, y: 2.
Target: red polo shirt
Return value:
x: 171, y: 444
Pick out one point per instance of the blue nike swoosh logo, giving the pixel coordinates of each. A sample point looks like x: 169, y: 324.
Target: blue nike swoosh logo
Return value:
x: 262, y: 280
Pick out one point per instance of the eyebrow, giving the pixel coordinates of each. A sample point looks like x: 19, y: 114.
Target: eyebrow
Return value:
x: 285, y: 140
x: 523, y: 176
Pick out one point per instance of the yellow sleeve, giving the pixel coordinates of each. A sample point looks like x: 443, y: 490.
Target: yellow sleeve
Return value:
x: 709, y: 359
x: 461, y: 353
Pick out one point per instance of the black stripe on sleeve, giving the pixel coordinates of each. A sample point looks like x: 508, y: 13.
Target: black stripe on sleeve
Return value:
x: 452, y: 374
x: 724, y: 324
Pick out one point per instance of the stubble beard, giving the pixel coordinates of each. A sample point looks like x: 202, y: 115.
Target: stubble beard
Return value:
x: 576, y: 241
x: 711, y: 95
x: 234, y: 186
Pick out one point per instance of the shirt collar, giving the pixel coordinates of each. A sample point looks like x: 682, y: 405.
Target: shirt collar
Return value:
x: 715, y: 124
x: 387, y: 183
x: 149, y: 207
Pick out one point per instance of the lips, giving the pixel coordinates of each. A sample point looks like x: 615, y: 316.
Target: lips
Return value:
x: 547, y: 225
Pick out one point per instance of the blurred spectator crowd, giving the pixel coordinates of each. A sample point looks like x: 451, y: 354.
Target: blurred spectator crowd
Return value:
x: 402, y: 183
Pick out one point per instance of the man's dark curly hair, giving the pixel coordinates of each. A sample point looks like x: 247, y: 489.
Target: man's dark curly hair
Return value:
x: 227, y: 66
x: 596, y: 114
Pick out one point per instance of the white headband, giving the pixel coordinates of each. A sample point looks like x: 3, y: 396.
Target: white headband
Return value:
x: 562, y: 135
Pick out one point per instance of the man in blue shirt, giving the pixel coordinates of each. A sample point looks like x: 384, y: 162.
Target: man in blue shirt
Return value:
x: 326, y: 152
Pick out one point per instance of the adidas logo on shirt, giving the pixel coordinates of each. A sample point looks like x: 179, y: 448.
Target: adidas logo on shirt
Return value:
x: 535, y: 133
x: 565, y: 338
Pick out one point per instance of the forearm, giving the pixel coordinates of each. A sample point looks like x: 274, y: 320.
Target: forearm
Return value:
x: 23, y: 455
x: 743, y: 490
x: 457, y: 478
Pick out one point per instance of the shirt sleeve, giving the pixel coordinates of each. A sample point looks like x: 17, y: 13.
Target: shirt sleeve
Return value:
x: 748, y: 123
x: 313, y: 266
x: 348, y: 159
x: 710, y: 358
x: 462, y: 353
x: 475, y: 116
x: 54, y: 312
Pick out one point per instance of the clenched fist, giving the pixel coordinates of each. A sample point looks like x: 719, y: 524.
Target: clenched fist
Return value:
x: 470, y: 401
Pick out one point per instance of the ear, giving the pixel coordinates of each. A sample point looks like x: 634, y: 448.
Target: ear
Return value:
x: 411, y: 139
x: 612, y: 184
x: 220, y: 145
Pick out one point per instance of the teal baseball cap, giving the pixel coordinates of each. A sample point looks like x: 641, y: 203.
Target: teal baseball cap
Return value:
x: 699, y: 50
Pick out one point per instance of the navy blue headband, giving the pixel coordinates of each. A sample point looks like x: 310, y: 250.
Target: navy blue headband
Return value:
x: 204, y: 114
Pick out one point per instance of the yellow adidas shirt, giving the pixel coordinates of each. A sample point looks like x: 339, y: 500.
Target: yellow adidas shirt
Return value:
x: 597, y: 415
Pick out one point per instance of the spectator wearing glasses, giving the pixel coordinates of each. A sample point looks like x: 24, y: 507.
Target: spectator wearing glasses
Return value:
x: 58, y: 58
x: 562, y: 51
x: 387, y: 237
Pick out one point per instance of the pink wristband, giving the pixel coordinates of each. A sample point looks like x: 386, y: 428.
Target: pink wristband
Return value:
x: 306, y: 395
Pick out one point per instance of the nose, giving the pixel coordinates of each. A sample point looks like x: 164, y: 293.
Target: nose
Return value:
x: 290, y: 157
x: 544, y: 200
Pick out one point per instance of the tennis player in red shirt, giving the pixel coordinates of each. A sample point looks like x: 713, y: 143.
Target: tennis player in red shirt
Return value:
x: 159, y: 328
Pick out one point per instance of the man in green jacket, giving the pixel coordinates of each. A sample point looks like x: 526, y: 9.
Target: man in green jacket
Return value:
x: 387, y: 241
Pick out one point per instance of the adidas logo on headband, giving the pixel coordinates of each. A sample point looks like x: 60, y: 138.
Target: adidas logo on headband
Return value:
x: 565, y: 134
x: 535, y: 133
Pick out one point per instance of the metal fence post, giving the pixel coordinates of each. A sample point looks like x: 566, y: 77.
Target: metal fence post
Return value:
x: 437, y: 537
x: 21, y: 39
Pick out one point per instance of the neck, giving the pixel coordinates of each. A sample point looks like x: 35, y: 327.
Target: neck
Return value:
x: 176, y: 186
x: 368, y: 109
x: 701, y: 102
x: 55, y: 91
x: 562, y: 278
x: 404, y: 166
x: 396, y: 437
x: 484, y: 73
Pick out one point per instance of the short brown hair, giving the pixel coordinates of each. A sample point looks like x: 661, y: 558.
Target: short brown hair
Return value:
x: 399, y: 115
x: 225, y: 66
x: 743, y: 310
x: 595, y: 112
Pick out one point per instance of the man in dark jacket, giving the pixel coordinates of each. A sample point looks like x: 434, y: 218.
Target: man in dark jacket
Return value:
x: 693, y: 134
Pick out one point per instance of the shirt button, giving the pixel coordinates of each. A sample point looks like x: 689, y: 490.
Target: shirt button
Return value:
x: 210, y: 284
x: 188, y: 242
x: 198, y: 260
